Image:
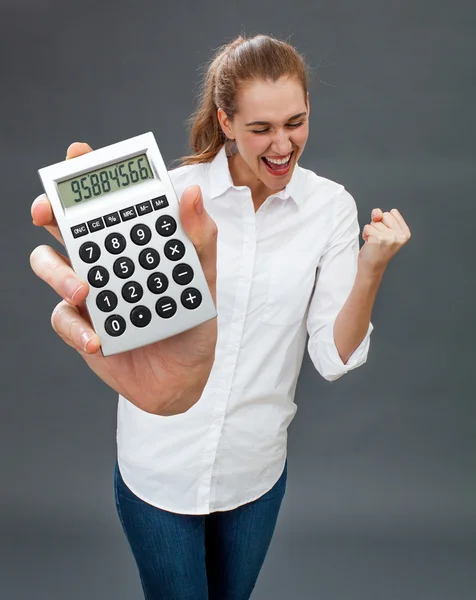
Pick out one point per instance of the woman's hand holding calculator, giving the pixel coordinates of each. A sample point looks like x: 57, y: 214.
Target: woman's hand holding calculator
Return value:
x: 164, y: 378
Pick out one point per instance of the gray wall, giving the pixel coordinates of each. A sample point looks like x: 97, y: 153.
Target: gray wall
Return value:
x: 381, y: 494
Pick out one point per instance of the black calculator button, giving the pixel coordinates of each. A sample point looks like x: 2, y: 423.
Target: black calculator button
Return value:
x: 143, y: 208
x: 174, y: 250
x: 79, y: 230
x: 191, y: 298
x: 124, y: 267
x: 128, y: 213
x: 159, y: 203
x: 96, y: 225
x: 182, y: 274
x: 115, y: 325
x: 157, y: 283
x: 89, y: 252
x: 106, y: 301
x: 112, y: 219
x: 98, y: 277
x: 149, y: 258
x: 166, y: 225
x: 115, y: 243
x: 141, y: 316
x: 166, y: 307
x: 132, y: 292
x: 141, y: 234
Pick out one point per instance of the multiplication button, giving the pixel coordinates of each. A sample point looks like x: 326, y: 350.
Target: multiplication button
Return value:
x: 191, y: 298
x: 141, y: 316
x: 182, y: 274
x: 174, y: 250
x: 159, y: 203
x: 166, y: 307
x: 115, y: 325
x: 79, y: 230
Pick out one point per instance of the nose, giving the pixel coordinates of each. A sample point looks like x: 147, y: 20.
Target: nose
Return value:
x: 282, y: 144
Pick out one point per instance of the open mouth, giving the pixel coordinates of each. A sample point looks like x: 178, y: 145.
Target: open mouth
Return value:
x: 278, y: 167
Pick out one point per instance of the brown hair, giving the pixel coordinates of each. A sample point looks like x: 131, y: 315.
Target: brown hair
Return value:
x: 259, y: 57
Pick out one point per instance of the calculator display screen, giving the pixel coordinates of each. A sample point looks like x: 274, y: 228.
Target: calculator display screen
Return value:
x: 105, y: 180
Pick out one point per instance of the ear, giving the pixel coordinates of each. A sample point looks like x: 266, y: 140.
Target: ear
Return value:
x: 225, y: 124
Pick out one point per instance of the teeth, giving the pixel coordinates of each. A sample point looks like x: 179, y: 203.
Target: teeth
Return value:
x: 279, y: 161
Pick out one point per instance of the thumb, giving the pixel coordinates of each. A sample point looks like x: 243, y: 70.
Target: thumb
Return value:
x: 76, y: 149
x: 377, y: 215
x: 202, y: 231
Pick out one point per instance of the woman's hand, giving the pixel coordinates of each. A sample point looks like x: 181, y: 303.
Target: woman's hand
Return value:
x: 383, y: 237
x: 164, y: 378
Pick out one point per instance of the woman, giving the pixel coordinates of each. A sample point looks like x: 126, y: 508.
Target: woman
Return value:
x: 199, y: 484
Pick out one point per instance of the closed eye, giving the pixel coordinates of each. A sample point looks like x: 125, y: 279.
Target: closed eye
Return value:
x: 291, y: 125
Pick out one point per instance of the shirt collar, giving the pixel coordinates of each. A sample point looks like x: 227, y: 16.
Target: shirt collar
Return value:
x: 221, y: 181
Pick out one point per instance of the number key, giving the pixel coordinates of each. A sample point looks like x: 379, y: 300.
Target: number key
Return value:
x: 89, y: 252
x: 115, y: 243
x: 124, y: 267
x: 98, y: 277
x: 106, y: 301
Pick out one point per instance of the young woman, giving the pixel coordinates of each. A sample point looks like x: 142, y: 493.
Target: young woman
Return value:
x: 203, y: 416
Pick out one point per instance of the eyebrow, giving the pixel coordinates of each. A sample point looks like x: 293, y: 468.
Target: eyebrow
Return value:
x: 268, y: 123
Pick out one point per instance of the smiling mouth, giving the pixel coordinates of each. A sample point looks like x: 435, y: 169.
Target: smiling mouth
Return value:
x: 278, y: 168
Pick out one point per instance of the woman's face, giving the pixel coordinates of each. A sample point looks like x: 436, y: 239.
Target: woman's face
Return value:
x: 270, y: 129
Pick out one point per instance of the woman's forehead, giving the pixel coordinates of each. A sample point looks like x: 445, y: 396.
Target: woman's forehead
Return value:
x: 279, y: 100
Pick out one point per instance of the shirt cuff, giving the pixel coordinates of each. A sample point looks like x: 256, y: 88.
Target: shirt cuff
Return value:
x: 329, y: 363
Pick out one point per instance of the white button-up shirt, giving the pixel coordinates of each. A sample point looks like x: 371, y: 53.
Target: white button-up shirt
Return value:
x: 283, y: 272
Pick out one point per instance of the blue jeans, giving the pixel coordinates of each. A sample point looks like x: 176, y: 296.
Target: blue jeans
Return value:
x: 198, y: 557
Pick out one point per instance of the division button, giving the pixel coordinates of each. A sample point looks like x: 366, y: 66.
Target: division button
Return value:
x: 191, y: 298
x: 89, y: 252
x: 143, y: 208
x: 106, y: 301
x: 79, y: 230
x: 132, y: 291
x: 157, y: 283
x: 95, y: 224
x: 124, y: 267
x: 141, y: 316
x: 149, y: 258
x: 98, y: 277
x: 115, y: 243
x: 182, y: 274
x: 174, y: 250
x: 128, y: 213
x: 115, y: 325
x: 159, y: 203
x: 166, y: 225
x: 166, y: 307
x: 112, y: 219
x: 140, y: 235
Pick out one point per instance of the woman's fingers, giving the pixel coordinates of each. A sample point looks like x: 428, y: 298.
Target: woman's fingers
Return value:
x: 56, y: 271
x: 41, y: 211
x: 73, y: 329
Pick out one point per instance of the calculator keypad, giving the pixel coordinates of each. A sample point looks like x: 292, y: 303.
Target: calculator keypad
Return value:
x: 147, y: 259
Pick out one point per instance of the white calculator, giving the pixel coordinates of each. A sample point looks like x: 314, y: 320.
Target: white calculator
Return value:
x: 118, y: 214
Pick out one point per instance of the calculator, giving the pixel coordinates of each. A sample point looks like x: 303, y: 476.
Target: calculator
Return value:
x: 118, y: 214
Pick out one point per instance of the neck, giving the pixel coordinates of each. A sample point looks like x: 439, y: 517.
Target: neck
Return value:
x: 241, y: 174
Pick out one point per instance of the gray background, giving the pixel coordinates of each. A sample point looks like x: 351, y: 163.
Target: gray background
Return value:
x: 381, y: 493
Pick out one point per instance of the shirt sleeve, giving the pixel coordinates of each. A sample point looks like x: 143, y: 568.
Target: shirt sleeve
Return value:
x: 335, y: 276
